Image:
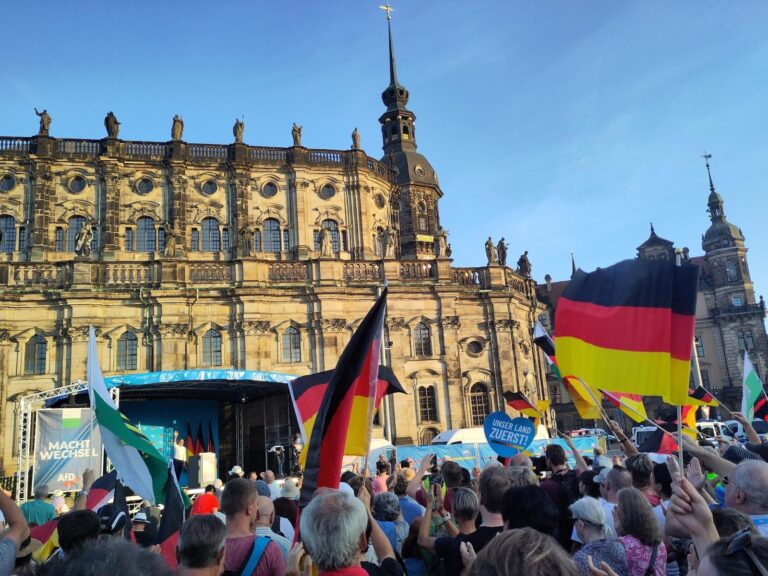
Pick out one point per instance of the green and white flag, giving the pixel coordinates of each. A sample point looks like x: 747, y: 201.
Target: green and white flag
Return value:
x: 138, y: 463
x: 753, y: 388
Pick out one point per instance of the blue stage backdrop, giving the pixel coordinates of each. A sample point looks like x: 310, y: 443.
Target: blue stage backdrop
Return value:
x: 159, y: 418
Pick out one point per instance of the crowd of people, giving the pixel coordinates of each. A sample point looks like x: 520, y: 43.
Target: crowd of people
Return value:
x: 633, y: 514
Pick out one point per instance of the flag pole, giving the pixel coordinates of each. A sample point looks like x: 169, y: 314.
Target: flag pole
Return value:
x: 678, y: 263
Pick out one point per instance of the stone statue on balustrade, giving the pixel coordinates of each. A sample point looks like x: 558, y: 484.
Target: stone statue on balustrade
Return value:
x: 45, y: 122
x: 177, y: 129
x: 83, y: 240
x: 448, y: 250
x: 112, y: 125
x: 524, y: 265
x: 355, y: 140
x: 441, y: 243
x: 324, y: 240
x: 246, y: 239
x: 237, y: 130
x: 296, y: 133
x: 171, y: 238
x: 490, y: 251
x: 501, y: 249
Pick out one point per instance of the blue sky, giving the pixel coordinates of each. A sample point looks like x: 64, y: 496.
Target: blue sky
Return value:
x: 562, y: 125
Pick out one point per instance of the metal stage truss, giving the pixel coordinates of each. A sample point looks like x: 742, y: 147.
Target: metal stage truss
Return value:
x: 27, y: 405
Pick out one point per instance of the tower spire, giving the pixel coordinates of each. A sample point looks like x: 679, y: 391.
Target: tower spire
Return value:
x: 709, y: 173
x: 392, y: 64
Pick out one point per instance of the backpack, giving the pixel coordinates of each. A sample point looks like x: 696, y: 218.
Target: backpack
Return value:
x: 569, y: 493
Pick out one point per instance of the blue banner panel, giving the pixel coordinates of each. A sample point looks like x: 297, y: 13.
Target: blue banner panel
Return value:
x: 66, y: 443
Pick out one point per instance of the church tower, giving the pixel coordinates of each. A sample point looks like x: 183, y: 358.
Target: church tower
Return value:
x: 415, y: 212
x: 729, y: 295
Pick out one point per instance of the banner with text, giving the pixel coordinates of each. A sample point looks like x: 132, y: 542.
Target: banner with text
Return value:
x: 64, y: 448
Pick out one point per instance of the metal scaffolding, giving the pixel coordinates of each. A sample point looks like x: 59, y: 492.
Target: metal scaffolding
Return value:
x: 27, y: 406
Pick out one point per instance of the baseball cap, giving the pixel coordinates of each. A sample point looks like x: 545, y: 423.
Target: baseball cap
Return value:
x: 263, y: 488
x: 112, y: 519
x: 602, y: 477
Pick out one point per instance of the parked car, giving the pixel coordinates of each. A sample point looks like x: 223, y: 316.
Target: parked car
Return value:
x: 641, y: 433
x: 714, y: 429
x: 599, y: 432
x: 760, y: 426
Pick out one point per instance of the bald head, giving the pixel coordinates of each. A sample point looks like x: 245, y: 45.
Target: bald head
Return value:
x: 269, y: 476
x: 616, y: 480
x: 747, y: 490
x: 521, y: 460
x: 266, y: 510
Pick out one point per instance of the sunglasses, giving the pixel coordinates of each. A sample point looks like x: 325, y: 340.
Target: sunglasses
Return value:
x: 742, y: 542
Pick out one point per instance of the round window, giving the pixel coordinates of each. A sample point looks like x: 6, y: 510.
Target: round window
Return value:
x: 327, y: 191
x: 269, y: 190
x: 209, y: 187
x: 7, y: 183
x: 475, y: 347
x: 379, y: 200
x: 145, y: 186
x: 419, y: 170
x: 77, y: 184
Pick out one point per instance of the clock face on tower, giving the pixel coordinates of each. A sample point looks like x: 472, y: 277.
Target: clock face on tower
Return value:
x: 725, y: 242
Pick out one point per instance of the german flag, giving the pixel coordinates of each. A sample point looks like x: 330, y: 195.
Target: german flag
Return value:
x: 629, y: 327
x: 174, y: 511
x: 189, y: 442
x: 631, y: 404
x: 307, y: 395
x: 700, y: 396
x: 347, y: 405
x: 520, y: 402
x: 211, y: 447
x: 199, y: 441
x: 688, y: 416
x: 661, y: 442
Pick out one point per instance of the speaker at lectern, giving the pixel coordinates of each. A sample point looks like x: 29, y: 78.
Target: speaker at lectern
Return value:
x: 202, y: 469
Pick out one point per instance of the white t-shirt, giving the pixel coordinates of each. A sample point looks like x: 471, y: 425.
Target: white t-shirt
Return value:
x: 275, y: 490
x: 658, y: 511
x: 179, y: 452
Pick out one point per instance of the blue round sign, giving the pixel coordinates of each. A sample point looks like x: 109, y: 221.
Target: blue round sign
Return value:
x: 506, y: 436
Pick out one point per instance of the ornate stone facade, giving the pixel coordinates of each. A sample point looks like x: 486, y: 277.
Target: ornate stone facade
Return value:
x: 250, y: 257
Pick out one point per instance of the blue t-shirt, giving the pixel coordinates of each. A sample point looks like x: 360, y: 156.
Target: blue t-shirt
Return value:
x: 410, y: 509
x: 7, y: 556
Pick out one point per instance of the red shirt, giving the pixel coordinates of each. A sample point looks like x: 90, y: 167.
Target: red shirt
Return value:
x: 205, y: 504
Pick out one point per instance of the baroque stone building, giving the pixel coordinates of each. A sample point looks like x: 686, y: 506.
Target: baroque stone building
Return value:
x: 187, y: 255
x: 729, y: 318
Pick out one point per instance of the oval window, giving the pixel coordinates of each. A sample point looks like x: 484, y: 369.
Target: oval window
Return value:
x: 379, y: 200
x: 209, y: 187
x: 327, y: 191
x: 77, y: 184
x: 269, y: 190
x: 7, y: 183
x: 145, y: 186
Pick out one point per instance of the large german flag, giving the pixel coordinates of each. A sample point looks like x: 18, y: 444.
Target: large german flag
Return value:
x: 629, y: 328
x: 347, y: 405
x: 307, y: 395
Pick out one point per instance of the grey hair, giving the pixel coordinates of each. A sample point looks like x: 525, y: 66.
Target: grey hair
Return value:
x: 331, y: 526
x: 752, y: 477
x: 200, y: 540
x: 385, y: 506
x: 41, y: 491
x: 589, y: 510
x: 465, y: 504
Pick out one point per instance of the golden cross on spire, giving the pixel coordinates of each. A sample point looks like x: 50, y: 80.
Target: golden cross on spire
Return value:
x: 388, y: 9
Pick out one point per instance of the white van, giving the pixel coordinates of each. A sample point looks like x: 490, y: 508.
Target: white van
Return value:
x: 760, y: 426
x: 461, y: 436
x: 714, y: 429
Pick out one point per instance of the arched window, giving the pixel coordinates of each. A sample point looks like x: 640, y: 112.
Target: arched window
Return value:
x: 145, y: 234
x: 731, y: 274
x: 291, y: 346
x: 7, y: 234
x: 271, y: 235
x: 257, y: 241
x: 422, y: 340
x: 35, y: 355
x: 427, y: 404
x: 427, y: 435
x: 127, y: 351
x: 212, y: 348
x: 479, y: 403
x: 333, y: 229
x: 211, y: 237
x: 75, y: 223
x: 749, y: 341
